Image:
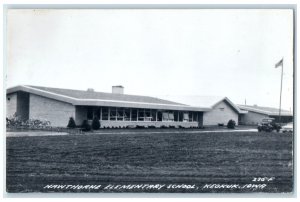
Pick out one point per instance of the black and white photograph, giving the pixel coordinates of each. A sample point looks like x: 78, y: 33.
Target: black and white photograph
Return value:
x: 150, y: 100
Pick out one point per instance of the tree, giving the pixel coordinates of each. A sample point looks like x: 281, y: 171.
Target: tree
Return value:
x: 95, y: 123
x: 71, y: 123
x: 231, y: 124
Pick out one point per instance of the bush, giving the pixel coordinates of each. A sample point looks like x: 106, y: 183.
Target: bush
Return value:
x: 140, y: 127
x: 71, y: 123
x: 85, y: 126
x: 95, y: 123
x: 36, y: 123
x: 231, y: 124
x: 16, y: 121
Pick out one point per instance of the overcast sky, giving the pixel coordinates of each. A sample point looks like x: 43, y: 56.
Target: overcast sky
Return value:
x: 155, y: 52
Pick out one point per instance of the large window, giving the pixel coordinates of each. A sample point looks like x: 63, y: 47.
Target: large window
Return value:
x: 113, y: 113
x: 190, y: 116
x: 148, y: 116
x: 195, y: 116
x: 180, y: 114
x: 120, y: 114
x: 171, y: 116
x: 104, y: 113
x: 134, y: 115
x: 141, y: 114
x: 159, y: 115
x: 96, y: 113
x: 127, y: 114
x: 185, y: 117
x: 153, y: 114
x: 165, y: 116
x: 176, y: 116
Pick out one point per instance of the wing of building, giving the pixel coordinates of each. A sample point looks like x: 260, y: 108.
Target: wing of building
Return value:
x: 114, y: 109
x: 221, y: 108
x: 257, y: 113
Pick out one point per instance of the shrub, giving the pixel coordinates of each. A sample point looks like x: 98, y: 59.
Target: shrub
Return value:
x: 130, y: 126
x: 71, y: 123
x: 95, y: 123
x: 231, y: 124
x: 85, y: 126
x: 16, y: 121
x: 36, y: 123
x: 140, y: 126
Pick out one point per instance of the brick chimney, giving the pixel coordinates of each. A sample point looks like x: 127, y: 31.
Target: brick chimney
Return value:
x: 117, y: 89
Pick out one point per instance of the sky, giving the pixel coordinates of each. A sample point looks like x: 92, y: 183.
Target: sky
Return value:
x: 155, y: 52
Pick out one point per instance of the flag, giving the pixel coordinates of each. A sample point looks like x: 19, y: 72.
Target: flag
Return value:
x: 280, y: 63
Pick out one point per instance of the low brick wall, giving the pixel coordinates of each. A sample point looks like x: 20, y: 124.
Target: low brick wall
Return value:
x: 158, y: 124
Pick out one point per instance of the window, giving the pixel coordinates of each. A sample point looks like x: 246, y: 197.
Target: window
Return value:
x: 8, y: 98
x: 165, y: 116
x: 141, y: 114
x: 195, y: 116
x: 96, y: 113
x: 120, y: 114
x: 134, y: 115
x: 180, y: 116
x: 221, y: 108
x: 185, y: 117
x: 148, y: 116
x: 127, y: 114
x: 159, y: 116
x: 113, y: 114
x: 153, y: 114
x: 175, y: 116
x: 104, y: 113
x: 171, y: 116
x: 190, y: 116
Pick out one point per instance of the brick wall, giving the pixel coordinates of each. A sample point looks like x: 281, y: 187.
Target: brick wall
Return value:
x: 221, y: 113
x: 11, y: 104
x: 58, y: 113
x: 252, y: 118
x: 23, y: 105
x: 157, y: 124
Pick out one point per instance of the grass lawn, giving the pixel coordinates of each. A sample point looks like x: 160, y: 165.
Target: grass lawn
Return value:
x: 169, y: 158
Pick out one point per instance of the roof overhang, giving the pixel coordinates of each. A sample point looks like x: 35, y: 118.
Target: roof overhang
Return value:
x: 102, y: 102
x: 236, y: 108
x: 265, y: 112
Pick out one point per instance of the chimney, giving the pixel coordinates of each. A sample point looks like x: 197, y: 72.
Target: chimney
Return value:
x: 90, y: 90
x: 118, y: 90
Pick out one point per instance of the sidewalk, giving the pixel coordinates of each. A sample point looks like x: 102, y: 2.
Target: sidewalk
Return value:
x: 126, y: 132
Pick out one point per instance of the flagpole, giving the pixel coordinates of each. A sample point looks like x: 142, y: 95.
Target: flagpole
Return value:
x: 280, y: 91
